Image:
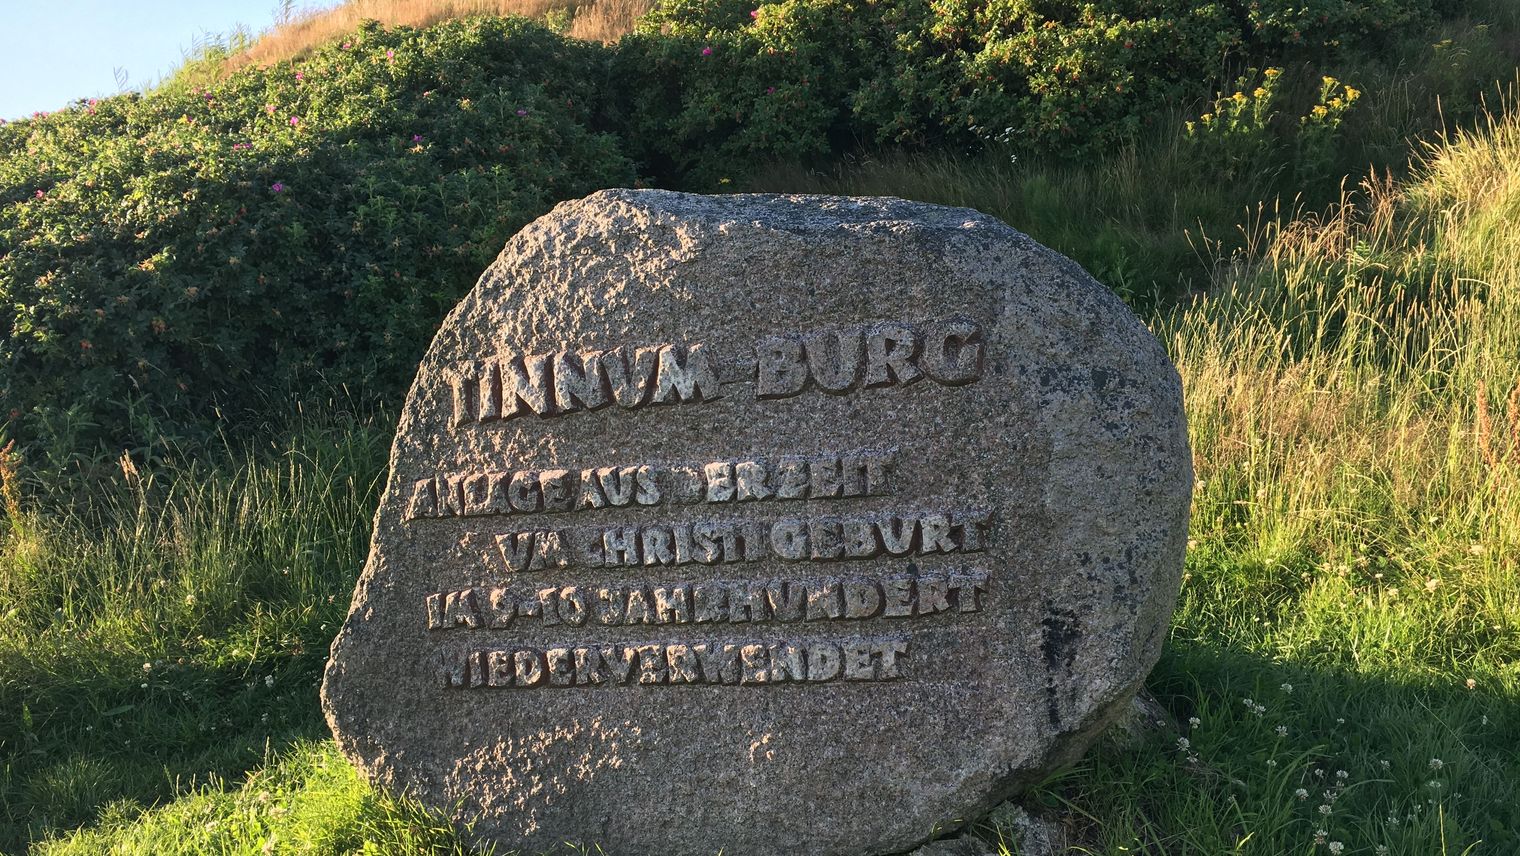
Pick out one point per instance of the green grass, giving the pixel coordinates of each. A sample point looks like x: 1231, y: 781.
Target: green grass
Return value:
x: 1354, y: 404
x: 170, y: 629
x: 305, y: 800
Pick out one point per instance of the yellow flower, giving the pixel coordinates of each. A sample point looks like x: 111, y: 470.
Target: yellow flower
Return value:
x: 1260, y: 92
x: 1238, y: 98
x: 1272, y: 73
x: 1352, y: 94
x: 1321, y: 110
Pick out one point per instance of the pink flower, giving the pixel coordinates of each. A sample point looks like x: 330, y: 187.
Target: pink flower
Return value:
x: 390, y: 54
x: 41, y: 195
x: 754, y: 13
x: 300, y: 76
x: 295, y: 121
x: 707, y: 51
x: 347, y: 45
x: 269, y: 108
x: 277, y: 187
x: 770, y: 90
x: 416, y: 138
x: 521, y: 112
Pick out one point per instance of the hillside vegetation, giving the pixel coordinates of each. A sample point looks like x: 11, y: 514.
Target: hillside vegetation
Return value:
x: 186, y: 510
x: 1348, y: 635
x: 182, y: 262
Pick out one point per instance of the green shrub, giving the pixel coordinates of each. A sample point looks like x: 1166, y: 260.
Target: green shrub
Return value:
x: 718, y: 86
x: 170, y: 260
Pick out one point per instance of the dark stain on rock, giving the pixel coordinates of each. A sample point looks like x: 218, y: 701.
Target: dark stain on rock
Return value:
x: 1060, y: 636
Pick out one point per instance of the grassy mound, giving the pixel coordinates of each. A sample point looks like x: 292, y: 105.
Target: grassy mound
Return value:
x: 1345, y: 652
x: 179, y: 264
x: 177, y: 267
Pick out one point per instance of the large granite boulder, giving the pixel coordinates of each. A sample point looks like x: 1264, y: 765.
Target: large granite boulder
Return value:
x: 762, y: 525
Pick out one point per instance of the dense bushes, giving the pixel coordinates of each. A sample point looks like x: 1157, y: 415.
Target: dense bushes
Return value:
x: 172, y: 262
x: 162, y: 256
x: 722, y: 83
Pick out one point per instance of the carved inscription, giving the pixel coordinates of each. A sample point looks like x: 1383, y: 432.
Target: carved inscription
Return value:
x: 843, y: 475
x: 711, y: 542
x: 835, y: 362
x: 838, y: 361
x: 715, y: 602
x: 570, y: 381
x: 675, y: 663
x: 889, y: 354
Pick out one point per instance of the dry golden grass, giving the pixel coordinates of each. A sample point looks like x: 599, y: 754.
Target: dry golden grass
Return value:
x: 593, y: 20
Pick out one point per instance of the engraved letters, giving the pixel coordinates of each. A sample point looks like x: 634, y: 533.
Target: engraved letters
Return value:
x: 673, y: 663
x: 840, y: 361
x: 536, y: 579
x: 712, y: 542
x: 712, y: 602
x: 835, y: 361
x: 864, y: 472
x: 569, y: 381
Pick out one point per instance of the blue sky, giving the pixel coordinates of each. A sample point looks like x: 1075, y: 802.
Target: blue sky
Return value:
x: 55, y: 51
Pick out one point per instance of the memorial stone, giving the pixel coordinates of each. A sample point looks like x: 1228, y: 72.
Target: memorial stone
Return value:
x: 763, y: 525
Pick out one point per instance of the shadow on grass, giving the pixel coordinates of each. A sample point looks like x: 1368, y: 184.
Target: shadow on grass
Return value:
x: 1415, y: 766
x: 113, y: 733
x: 1276, y: 756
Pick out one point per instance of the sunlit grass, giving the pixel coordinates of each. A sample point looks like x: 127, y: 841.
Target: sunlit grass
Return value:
x: 170, y: 627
